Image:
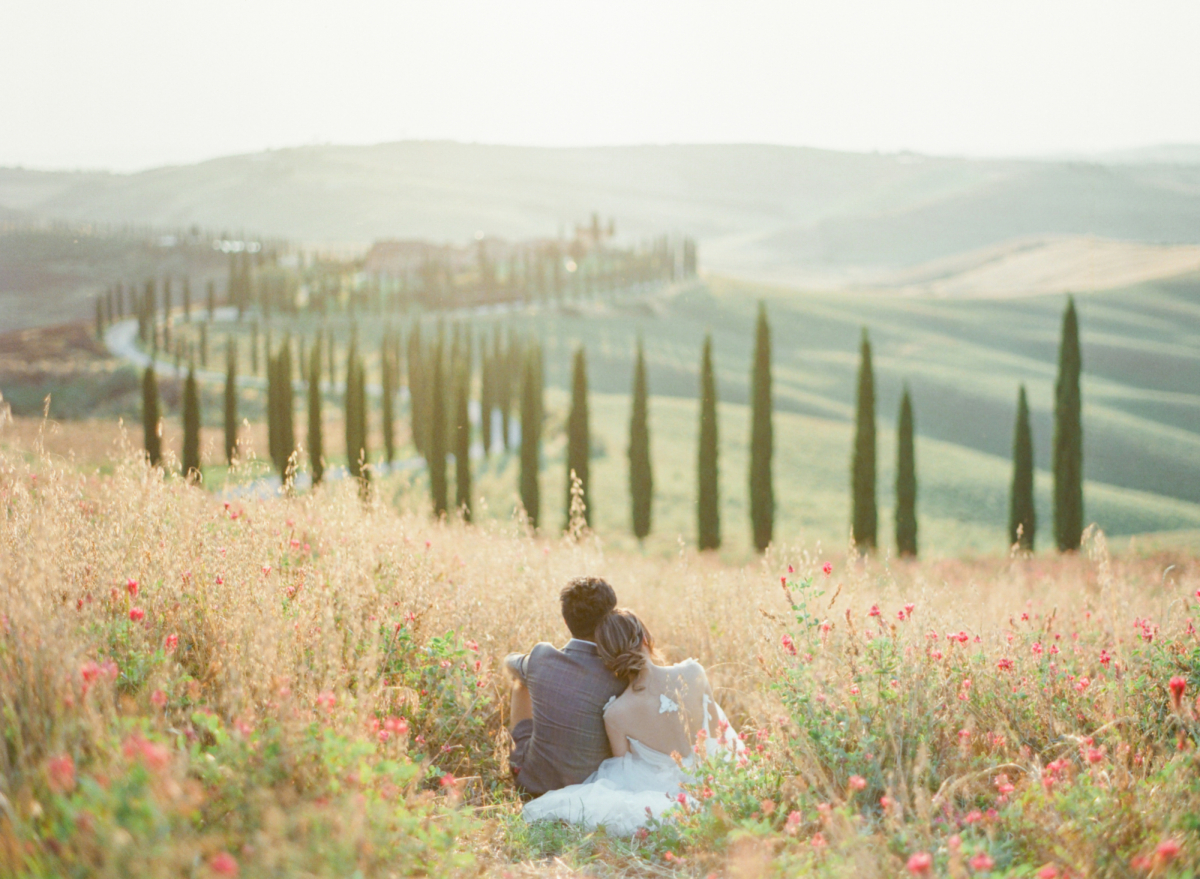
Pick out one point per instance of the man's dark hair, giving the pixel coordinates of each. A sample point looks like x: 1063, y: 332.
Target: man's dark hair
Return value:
x: 585, y: 602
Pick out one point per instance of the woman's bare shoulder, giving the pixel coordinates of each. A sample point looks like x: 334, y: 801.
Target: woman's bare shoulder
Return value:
x: 690, y: 669
x: 619, y: 705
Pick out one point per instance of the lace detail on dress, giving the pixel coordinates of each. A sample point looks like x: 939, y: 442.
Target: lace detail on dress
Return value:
x: 665, y: 704
x: 611, y: 700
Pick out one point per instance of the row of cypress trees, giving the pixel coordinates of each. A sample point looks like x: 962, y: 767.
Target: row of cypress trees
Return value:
x: 437, y: 381
x: 1067, y: 461
x: 1067, y: 465
x: 864, y: 520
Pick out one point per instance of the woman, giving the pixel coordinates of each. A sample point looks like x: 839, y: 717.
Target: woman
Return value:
x: 663, y: 714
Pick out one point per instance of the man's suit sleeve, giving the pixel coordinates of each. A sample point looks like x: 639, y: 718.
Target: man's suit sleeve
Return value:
x: 517, y: 665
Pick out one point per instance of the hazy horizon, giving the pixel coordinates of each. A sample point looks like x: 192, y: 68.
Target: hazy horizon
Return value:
x: 132, y: 86
x: 1058, y: 156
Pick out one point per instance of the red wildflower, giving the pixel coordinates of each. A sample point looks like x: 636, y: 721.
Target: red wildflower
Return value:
x: 794, y: 820
x: 857, y: 782
x: 131, y: 586
x: 171, y: 642
x: 788, y: 644
x: 159, y: 698
x: 1048, y: 872
x: 1178, y: 686
x: 136, y: 614
x: 828, y: 569
x: 223, y: 864
x: 920, y: 863
x: 981, y: 863
x: 62, y: 773
x: 1167, y: 851
x: 874, y: 611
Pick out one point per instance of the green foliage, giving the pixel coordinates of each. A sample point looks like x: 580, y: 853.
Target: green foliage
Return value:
x: 1022, y: 515
x: 906, y: 481
x: 708, y: 502
x: 762, y: 492
x: 191, y: 426
x: 151, y: 420
x: 864, y: 519
x: 578, y: 445
x: 641, y: 477
x: 1068, y: 437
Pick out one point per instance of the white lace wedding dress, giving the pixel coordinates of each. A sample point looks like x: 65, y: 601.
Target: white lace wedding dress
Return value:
x: 625, y: 792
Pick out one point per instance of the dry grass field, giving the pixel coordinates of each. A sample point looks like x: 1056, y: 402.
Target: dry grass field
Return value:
x: 310, y: 685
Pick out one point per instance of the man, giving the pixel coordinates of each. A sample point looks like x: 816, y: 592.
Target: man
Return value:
x: 559, y: 697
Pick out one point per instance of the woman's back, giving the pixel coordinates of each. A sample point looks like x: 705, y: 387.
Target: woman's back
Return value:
x: 664, y: 710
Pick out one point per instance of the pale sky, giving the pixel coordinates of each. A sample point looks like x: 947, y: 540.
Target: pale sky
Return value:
x: 131, y: 85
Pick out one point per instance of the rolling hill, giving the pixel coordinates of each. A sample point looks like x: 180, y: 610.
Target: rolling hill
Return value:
x: 754, y: 208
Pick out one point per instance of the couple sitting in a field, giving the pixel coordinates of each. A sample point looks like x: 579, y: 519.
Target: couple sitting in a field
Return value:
x: 602, y: 731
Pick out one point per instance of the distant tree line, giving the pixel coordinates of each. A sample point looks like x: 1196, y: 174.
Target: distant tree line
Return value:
x: 435, y: 366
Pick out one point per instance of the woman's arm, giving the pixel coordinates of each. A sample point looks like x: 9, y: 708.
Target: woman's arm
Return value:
x: 614, y: 725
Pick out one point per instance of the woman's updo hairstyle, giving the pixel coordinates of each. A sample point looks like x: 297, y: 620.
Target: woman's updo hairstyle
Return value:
x: 619, y: 639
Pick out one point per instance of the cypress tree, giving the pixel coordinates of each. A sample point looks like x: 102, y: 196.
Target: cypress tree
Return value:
x: 1022, y: 516
x: 361, y: 456
x: 387, y: 375
x: 210, y: 300
x: 355, y: 417
x: 762, y: 493
x: 274, y: 437
x: 509, y: 365
x: 485, y: 395
x: 286, y: 410
x: 641, y: 479
x: 350, y: 417
x: 462, y: 442
x: 531, y: 434
x: 906, y: 481
x: 578, y: 446
x: 416, y: 388
x: 862, y: 469
x: 191, y: 426
x: 316, y: 445
x: 254, y: 348
x: 1068, y: 438
x: 436, y: 457
x: 708, y: 497
x: 231, y: 400
x: 151, y: 434
x: 187, y: 299
x: 203, y: 346
x: 99, y: 318
x: 332, y: 360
